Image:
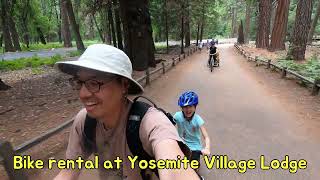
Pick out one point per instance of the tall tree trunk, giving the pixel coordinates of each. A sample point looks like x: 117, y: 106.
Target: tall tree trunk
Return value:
x: 41, y: 36
x: 247, y: 27
x: 274, y: 7
x: 8, y: 46
x: 66, y: 34
x: 240, y: 34
x: 279, y: 31
x: 187, y: 24
x: 118, y: 24
x: 12, y: 25
x: 166, y: 22
x: 301, y: 29
x: 202, y: 21
x: 74, y: 25
x: 262, y: 39
x: 198, y: 31
x: 182, y: 27
x: 160, y: 29
x: 109, y: 36
x: 1, y: 40
x: 110, y: 19
x: 98, y: 28
x: 138, y: 39
x: 234, y: 22
x: 14, y: 33
x: 314, y: 24
x: 91, y: 31
x: 26, y: 36
x: 59, y: 21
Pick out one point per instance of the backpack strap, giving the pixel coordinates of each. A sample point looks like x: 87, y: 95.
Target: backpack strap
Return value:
x: 137, y: 112
x: 89, y: 135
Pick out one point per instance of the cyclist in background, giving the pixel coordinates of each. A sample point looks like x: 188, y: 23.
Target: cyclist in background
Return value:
x: 212, y: 53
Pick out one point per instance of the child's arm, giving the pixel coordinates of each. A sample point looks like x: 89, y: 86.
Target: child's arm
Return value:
x: 206, y: 150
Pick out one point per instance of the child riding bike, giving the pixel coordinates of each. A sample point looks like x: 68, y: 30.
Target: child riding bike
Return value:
x: 213, y: 53
x: 190, y: 126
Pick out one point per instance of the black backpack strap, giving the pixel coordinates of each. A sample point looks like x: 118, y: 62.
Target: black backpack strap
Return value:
x: 89, y: 135
x: 137, y: 112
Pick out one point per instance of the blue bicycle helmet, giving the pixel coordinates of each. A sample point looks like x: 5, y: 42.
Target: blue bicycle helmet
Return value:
x: 188, y: 98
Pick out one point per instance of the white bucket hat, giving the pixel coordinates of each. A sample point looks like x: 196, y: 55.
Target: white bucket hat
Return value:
x: 103, y: 58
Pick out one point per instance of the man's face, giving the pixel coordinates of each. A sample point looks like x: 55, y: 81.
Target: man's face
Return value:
x: 100, y: 103
x: 188, y: 111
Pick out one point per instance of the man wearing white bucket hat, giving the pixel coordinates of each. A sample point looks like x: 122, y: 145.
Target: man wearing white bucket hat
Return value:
x: 102, y: 77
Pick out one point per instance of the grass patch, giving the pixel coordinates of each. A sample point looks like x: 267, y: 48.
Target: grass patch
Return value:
x: 32, y: 62
x: 160, y: 47
x: 41, y: 46
x: 310, y: 69
x: 88, y: 43
x: 75, y: 53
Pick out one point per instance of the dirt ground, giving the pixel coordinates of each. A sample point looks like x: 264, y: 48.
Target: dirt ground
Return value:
x: 274, y: 56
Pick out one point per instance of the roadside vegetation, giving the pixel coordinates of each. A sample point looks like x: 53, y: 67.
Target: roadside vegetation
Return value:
x: 310, y: 68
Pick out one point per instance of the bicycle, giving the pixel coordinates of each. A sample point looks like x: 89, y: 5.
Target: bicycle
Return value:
x: 212, y: 62
x: 201, y: 154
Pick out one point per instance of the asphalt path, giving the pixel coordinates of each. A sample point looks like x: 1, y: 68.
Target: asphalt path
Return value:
x: 40, y: 53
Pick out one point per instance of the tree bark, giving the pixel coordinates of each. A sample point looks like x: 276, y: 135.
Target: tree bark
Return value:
x: 98, y: 28
x: 1, y: 40
x: 8, y: 46
x: 198, y: 31
x: 202, y: 21
x: 41, y: 36
x: 247, y: 29
x: 274, y: 7
x: 262, y: 39
x: 74, y: 25
x: 160, y: 29
x: 109, y: 34
x: 26, y: 37
x: 187, y: 25
x: 240, y: 34
x: 110, y: 20
x: 138, y: 39
x: 279, y: 31
x: 59, y: 21
x: 66, y: 34
x: 314, y: 24
x: 12, y: 25
x: 182, y: 27
x: 166, y: 22
x: 234, y: 22
x: 118, y: 24
x: 14, y: 33
x: 301, y: 29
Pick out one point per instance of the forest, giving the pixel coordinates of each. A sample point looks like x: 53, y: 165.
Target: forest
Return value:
x: 242, y: 101
x: 137, y: 25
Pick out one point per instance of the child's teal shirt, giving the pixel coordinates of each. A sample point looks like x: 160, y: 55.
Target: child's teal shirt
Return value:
x: 190, y: 131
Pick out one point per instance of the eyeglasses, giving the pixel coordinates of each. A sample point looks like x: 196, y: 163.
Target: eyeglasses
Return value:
x: 92, y: 85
